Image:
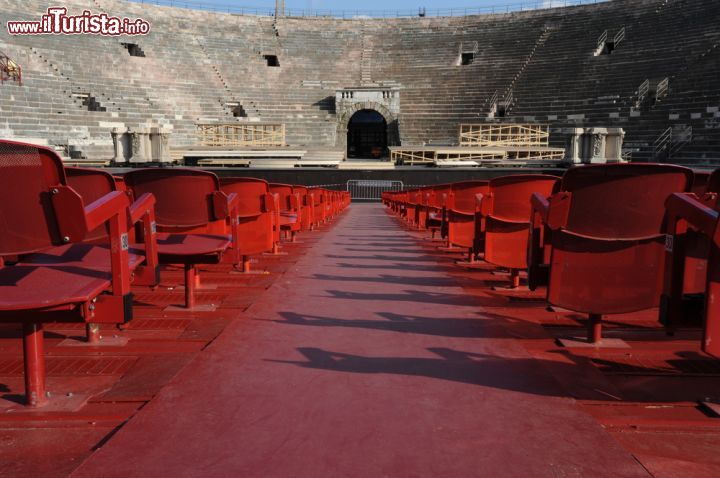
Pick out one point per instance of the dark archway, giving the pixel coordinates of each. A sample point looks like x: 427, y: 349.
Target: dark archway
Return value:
x: 367, y: 135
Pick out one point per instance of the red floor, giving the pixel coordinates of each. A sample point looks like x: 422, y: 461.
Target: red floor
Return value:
x: 372, y: 354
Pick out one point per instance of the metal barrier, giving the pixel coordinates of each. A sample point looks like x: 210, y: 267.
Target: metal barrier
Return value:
x: 371, y: 190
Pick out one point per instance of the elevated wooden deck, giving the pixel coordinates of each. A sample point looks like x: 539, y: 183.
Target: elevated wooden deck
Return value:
x: 482, y: 155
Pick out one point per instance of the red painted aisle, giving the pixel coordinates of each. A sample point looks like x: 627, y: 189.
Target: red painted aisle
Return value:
x: 367, y: 359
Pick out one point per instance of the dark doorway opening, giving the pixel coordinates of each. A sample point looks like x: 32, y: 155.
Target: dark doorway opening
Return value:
x: 367, y: 135
x: 272, y: 60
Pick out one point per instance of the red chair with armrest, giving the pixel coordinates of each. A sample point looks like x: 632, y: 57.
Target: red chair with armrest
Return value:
x: 40, y: 211
x: 306, y: 209
x: 688, y: 212
x: 601, y: 238
x: 290, y: 209
x: 91, y: 185
x: 503, y: 220
x: 255, y: 216
x: 190, y: 208
x: 690, y: 252
x: 460, y: 215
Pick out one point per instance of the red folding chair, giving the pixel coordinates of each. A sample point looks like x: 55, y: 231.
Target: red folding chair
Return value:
x: 306, y: 209
x: 436, y: 212
x: 40, y: 211
x: 601, y: 237
x: 687, y: 212
x: 503, y: 220
x: 92, y: 253
x: 690, y: 252
x: 255, y: 216
x: 191, y: 213
x: 319, y: 196
x: 290, y: 209
x: 460, y: 215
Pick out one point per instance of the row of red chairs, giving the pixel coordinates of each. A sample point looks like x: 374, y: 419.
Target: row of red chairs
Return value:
x: 73, y: 240
x: 601, y: 239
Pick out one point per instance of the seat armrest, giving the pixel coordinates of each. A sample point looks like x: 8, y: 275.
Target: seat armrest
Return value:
x: 484, y: 203
x: 540, y: 206
x: 224, y: 205
x: 687, y: 207
x: 268, y: 202
x: 102, y: 210
x: 295, y: 202
x: 141, y: 208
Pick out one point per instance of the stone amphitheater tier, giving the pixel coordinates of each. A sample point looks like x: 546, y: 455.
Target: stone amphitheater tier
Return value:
x: 199, y: 64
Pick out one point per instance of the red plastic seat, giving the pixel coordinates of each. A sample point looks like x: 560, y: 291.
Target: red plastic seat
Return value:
x: 602, y: 238
x: 421, y: 208
x: 290, y: 208
x: 436, y: 212
x: 94, y: 183
x: 190, y: 210
x: 503, y: 220
x: 460, y: 214
x: 695, y: 246
x: 255, y: 216
x: 319, y: 209
x: 306, y: 214
x: 411, y: 206
x: 687, y: 212
x: 39, y: 211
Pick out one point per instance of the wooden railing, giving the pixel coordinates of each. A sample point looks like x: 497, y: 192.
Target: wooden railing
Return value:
x: 241, y: 134
x: 9, y: 70
x: 499, y: 135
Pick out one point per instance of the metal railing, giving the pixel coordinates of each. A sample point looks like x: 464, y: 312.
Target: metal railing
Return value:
x: 662, y: 142
x: 406, y: 13
x: 9, y: 70
x: 662, y: 89
x: 371, y: 190
x: 602, y: 39
x: 642, y: 92
x: 619, y: 37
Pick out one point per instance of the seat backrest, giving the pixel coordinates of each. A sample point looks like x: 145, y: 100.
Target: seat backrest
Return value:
x: 621, y: 200
x: 91, y: 184
x: 302, y: 191
x: 463, y: 194
x: 712, y: 184
x: 184, y: 197
x: 28, y: 176
x: 413, y: 196
x: 440, y: 191
x: 284, y: 191
x: 700, y: 182
x: 250, y: 192
x: 511, y: 194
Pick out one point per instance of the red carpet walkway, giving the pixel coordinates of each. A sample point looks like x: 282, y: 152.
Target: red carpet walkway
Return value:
x: 368, y: 360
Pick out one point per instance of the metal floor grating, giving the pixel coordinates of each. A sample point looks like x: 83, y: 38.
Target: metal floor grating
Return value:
x: 158, y: 324
x: 72, y: 366
x: 177, y: 298
x: 653, y: 366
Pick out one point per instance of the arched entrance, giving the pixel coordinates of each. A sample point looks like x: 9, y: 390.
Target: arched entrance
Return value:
x: 367, y: 135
